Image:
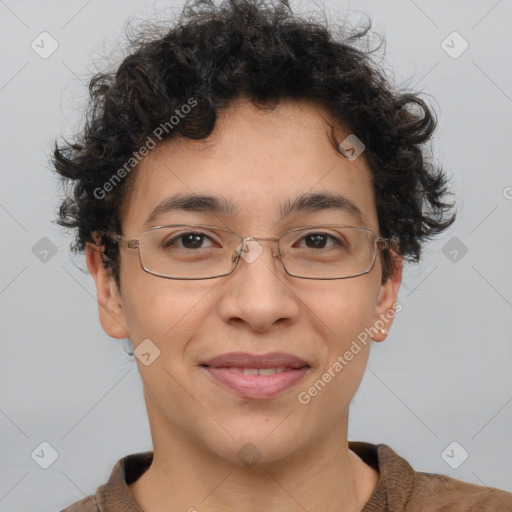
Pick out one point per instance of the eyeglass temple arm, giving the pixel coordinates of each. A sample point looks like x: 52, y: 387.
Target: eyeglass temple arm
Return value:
x: 130, y: 244
x: 386, y: 243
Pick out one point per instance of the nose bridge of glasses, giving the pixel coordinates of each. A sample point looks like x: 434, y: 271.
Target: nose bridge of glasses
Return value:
x: 245, y: 247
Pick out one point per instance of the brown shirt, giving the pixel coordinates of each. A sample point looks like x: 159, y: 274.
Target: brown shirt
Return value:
x: 399, y: 489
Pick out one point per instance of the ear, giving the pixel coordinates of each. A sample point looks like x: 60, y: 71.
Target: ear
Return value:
x: 387, y: 300
x: 109, y: 301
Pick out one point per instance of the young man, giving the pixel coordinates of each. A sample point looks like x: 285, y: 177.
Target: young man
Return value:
x: 246, y: 189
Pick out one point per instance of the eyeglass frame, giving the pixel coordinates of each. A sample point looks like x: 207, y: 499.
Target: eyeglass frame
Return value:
x: 134, y: 243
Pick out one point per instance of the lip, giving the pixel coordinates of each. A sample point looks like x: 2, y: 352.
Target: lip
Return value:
x: 223, y: 370
x: 246, y: 360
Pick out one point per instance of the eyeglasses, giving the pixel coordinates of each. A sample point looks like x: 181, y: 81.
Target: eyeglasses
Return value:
x: 196, y: 251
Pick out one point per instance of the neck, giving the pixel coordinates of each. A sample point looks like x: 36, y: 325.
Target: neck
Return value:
x: 327, y: 477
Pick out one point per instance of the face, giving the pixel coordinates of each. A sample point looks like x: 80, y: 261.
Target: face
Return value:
x: 257, y: 161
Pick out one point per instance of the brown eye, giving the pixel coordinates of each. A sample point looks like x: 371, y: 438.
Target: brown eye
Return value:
x: 191, y: 240
x: 316, y: 241
x: 321, y: 241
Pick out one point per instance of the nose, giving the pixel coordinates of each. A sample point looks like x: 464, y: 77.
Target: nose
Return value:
x: 257, y: 293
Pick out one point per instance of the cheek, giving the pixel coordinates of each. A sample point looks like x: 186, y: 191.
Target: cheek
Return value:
x: 345, y: 309
x: 159, y: 309
x: 344, y: 312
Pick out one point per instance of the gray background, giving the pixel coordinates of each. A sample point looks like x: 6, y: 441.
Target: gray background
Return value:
x: 443, y: 374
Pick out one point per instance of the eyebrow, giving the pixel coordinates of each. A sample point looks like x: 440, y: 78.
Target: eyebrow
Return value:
x: 193, y: 203
x: 321, y: 201
x: 310, y: 202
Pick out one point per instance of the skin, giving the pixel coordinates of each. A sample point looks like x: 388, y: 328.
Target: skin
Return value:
x: 257, y: 160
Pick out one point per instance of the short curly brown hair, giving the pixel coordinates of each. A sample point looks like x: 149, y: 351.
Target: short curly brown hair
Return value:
x: 217, y: 53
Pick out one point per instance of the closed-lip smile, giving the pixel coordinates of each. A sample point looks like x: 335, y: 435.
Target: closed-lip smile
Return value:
x: 256, y: 376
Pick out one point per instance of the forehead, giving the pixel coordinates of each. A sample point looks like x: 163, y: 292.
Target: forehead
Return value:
x: 256, y: 166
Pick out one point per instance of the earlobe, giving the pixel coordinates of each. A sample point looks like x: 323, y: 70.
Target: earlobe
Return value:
x: 109, y: 301
x: 387, y: 299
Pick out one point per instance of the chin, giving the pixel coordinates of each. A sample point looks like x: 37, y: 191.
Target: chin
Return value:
x: 259, y: 445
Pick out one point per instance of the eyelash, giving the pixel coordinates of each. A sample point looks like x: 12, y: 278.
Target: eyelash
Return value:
x: 171, y: 241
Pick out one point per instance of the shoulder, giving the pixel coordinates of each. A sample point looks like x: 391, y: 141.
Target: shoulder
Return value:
x: 400, y: 488
x: 88, y: 504
x: 434, y: 492
x: 115, y: 494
